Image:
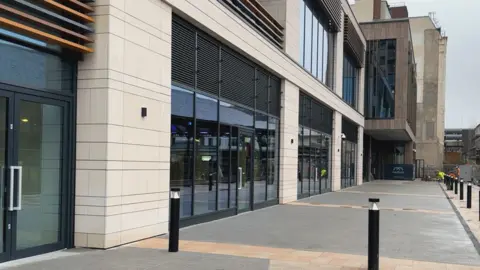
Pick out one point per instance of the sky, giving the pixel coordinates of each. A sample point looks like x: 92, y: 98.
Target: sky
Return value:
x: 459, y: 19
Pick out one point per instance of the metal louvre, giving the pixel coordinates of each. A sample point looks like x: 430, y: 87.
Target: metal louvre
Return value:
x: 353, y: 42
x: 207, y: 66
x: 274, y: 100
x: 183, y: 54
x: 333, y: 11
x: 350, y: 130
x: 315, y: 115
x: 238, y: 80
x: 261, y: 102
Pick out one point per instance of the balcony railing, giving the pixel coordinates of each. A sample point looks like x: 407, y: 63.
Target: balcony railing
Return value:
x: 256, y: 15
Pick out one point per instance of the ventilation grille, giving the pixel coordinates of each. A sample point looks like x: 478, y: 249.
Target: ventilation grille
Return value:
x: 208, y: 66
x: 238, y: 80
x: 315, y: 115
x: 183, y: 54
x: 274, y: 96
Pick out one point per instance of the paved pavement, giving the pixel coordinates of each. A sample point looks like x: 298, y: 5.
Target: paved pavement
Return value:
x: 419, y: 230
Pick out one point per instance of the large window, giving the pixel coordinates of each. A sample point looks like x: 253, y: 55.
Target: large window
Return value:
x: 380, y: 79
x: 314, y: 147
x: 316, y: 43
x: 349, y: 153
x: 350, y: 81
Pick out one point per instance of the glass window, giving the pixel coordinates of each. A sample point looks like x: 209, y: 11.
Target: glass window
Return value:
x: 308, y: 40
x: 315, y: 46
x: 260, y: 158
x: 26, y: 67
x: 273, y: 158
x: 182, y: 102
x: 181, y: 161
x: 349, y: 81
x: 326, y: 57
x: 306, y: 161
x: 224, y: 168
x: 320, y: 53
x: 235, y: 115
x: 302, y: 33
x: 206, y: 108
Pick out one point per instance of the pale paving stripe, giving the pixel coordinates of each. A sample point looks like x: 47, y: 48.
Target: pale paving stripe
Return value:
x: 391, y: 193
x: 292, y: 259
x: 366, y: 207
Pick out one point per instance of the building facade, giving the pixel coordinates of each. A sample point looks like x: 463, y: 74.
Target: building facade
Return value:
x: 106, y: 105
x: 390, y: 89
x: 430, y: 46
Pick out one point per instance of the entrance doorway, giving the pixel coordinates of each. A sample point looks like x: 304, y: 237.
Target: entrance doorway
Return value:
x: 33, y: 169
x: 245, y: 170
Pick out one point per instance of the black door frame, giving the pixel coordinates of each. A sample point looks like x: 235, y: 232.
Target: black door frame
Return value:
x: 66, y: 230
x: 251, y: 134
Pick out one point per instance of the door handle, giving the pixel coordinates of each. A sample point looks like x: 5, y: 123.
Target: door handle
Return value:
x: 11, y: 206
x: 240, y: 174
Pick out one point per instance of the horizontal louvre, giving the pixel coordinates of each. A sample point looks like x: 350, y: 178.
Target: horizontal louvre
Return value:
x: 238, y: 80
x: 321, y: 117
x: 350, y: 130
x: 262, y: 92
x: 274, y: 96
x: 333, y: 10
x: 353, y: 43
x: 208, y: 66
x: 183, y: 54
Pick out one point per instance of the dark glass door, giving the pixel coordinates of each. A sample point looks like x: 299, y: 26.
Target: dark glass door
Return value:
x: 245, y: 170
x: 32, y: 164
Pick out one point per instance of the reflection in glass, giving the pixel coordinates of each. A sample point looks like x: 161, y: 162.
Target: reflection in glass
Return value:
x: 306, y: 161
x: 206, y: 161
x: 300, y: 160
x: 3, y: 157
x: 260, y: 158
x: 245, y: 147
x: 235, y: 115
x: 326, y: 154
x: 224, y: 168
x: 308, y: 40
x: 182, y: 102
x: 273, y: 157
x: 40, y: 155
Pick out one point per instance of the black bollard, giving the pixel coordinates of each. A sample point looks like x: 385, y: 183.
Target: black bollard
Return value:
x: 461, y: 190
x: 456, y: 187
x: 449, y: 183
x: 469, y: 195
x: 373, y: 235
x: 174, y: 229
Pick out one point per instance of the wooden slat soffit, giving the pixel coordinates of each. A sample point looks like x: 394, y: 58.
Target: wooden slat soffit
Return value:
x: 352, y: 42
x: 60, y: 22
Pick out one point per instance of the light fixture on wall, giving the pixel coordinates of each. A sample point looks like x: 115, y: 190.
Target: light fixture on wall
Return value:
x: 291, y: 141
x: 344, y: 136
x: 144, y: 112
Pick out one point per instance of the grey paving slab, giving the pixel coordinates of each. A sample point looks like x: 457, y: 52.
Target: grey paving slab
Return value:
x: 404, y: 235
x: 146, y: 259
x: 386, y: 201
x: 400, y: 187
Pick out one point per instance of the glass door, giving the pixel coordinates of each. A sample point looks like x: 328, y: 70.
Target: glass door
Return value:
x: 32, y: 162
x: 245, y: 170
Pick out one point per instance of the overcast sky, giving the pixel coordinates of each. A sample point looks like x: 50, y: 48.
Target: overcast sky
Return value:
x: 459, y: 18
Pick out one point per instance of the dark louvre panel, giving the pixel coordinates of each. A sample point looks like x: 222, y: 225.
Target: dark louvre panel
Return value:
x: 300, y: 110
x: 183, y: 54
x: 350, y: 130
x: 238, y: 80
x: 207, y: 66
x: 321, y: 118
x: 275, y: 96
x: 353, y: 42
x: 262, y: 92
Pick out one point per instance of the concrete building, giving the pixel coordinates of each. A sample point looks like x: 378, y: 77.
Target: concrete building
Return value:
x: 390, y: 90
x: 106, y: 105
x: 430, y: 46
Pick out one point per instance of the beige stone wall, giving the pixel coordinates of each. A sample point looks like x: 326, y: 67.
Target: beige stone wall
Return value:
x: 289, y: 150
x: 336, y: 151
x: 122, y: 177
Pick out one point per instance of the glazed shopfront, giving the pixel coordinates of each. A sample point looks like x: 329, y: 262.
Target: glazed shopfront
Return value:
x: 224, y: 128
x: 38, y: 63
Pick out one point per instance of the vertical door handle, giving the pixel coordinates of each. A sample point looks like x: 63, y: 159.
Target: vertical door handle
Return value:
x: 239, y: 173
x: 316, y: 174
x: 11, y: 206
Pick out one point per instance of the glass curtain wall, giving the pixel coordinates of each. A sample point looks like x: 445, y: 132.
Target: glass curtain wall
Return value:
x: 314, y: 148
x: 204, y: 152
x: 316, y: 43
x: 380, y: 79
x: 348, y: 165
x: 350, y: 81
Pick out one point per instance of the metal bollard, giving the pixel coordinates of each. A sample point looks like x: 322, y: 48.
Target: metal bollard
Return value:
x: 456, y: 187
x: 174, y: 229
x: 373, y: 235
x: 469, y: 195
x: 461, y: 190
